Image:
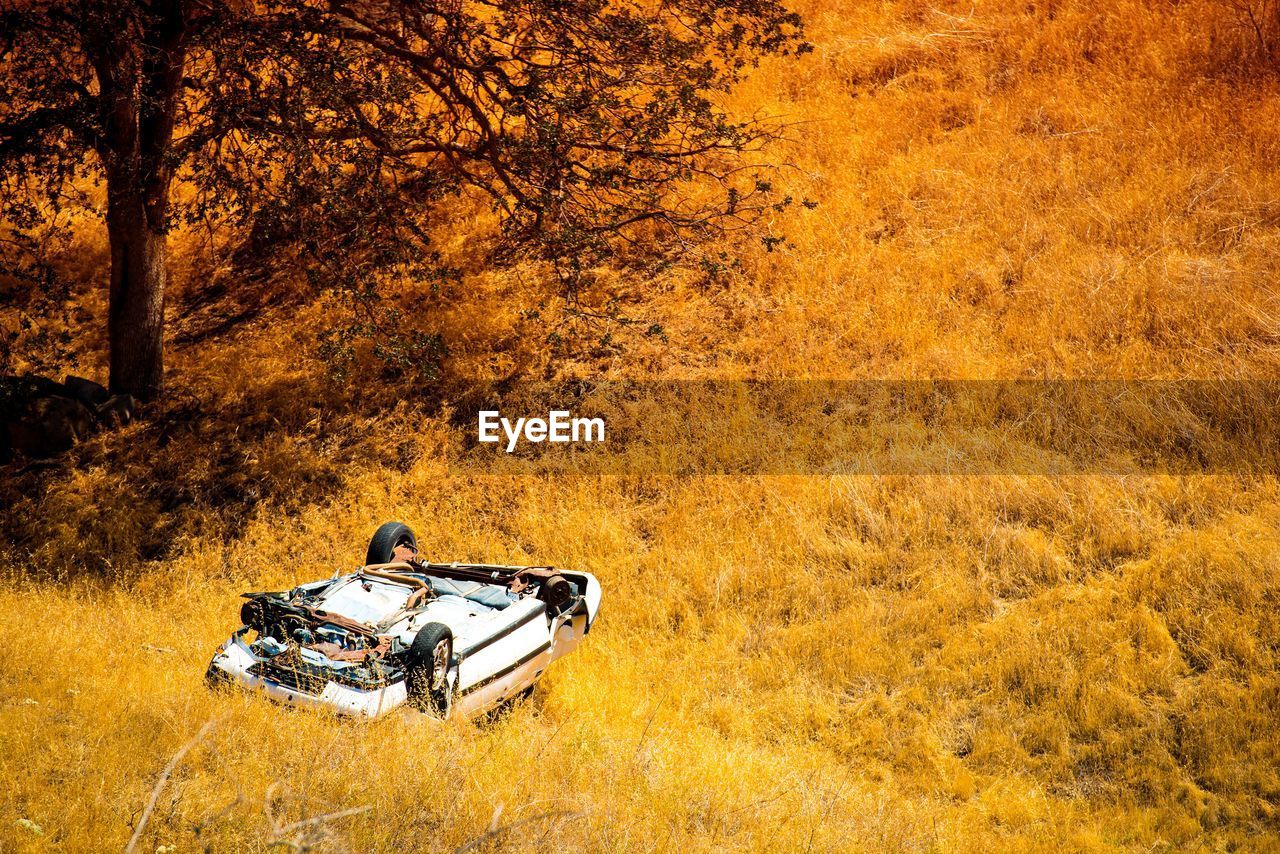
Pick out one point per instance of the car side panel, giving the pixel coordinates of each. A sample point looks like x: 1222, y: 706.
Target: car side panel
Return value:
x: 512, y: 647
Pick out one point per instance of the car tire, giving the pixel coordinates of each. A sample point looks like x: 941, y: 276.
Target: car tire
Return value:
x: 382, y: 546
x: 427, y: 671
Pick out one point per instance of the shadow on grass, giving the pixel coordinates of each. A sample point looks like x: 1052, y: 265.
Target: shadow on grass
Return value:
x: 198, y: 464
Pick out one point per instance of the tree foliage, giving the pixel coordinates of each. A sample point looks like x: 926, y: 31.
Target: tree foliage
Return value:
x: 337, y: 126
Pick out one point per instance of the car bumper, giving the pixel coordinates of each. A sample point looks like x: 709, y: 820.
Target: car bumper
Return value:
x: 232, y: 663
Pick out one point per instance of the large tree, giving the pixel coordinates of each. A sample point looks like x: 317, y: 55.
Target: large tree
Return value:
x: 340, y: 124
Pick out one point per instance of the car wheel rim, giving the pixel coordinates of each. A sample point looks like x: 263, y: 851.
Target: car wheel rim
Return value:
x: 439, y: 665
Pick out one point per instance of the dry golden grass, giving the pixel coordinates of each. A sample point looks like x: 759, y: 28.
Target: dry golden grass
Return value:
x: 783, y: 663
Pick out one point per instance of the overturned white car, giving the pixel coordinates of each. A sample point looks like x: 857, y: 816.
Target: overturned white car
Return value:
x: 446, y: 638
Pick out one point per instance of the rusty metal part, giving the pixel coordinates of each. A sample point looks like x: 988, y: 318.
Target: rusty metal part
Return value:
x: 422, y: 589
x: 255, y: 613
x: 337, y: 653
x: 384, y: 570
x: 338, y: 620
x: 554, y: 589
x: 515, y: 578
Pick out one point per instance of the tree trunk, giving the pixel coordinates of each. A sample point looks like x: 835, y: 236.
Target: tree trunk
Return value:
x: 135, y: 324
x: 139, y: 65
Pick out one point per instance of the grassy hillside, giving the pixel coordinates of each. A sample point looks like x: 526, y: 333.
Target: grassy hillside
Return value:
x: 1005, y: 189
